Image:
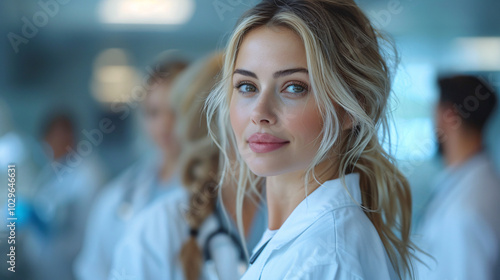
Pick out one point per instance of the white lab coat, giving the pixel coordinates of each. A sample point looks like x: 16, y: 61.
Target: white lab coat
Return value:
x: 327, y: 236
x: 151, y: 248
x: 461, y: 227
x: 115, y: 208
x: 61, y: 205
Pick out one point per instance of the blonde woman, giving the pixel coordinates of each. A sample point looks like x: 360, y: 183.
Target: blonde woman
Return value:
x: 303, y: 94
x: 138, y: 186
x: 187, y: 235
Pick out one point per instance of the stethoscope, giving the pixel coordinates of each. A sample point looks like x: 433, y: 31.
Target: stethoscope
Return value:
x: 221, y: 230
x: 223, y: 255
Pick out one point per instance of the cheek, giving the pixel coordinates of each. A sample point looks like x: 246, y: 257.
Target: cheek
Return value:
x: 152, y: 128
x: 153, y: 123
x: 164, y: 121
x: 238, y: 118
x: 170, y: 122
x: 305, y: 124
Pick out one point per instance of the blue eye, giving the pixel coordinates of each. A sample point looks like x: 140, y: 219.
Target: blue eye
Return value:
x: 246, y: 88
x: 296, y: 89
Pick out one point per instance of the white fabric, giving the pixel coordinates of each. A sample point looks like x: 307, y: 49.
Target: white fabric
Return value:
x: 461, y: 227
x: 327, y: 236
x: 114, y: 210
x: 268, y: 234
x: 61, y: 203
x: 150, y: 250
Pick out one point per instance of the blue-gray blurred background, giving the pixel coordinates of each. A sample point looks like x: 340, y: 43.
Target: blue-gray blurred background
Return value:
x: 86, y: 57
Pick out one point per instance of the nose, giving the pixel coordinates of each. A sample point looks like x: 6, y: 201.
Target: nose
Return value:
x: 263, y: 113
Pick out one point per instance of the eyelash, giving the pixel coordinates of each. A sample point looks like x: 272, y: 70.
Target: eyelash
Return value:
x: 238, y: 85
x: 301, y: 84
x: 297, y: 83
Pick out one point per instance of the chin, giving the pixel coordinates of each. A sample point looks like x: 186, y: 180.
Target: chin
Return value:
x: 262, y: 173
x: 265, y: 167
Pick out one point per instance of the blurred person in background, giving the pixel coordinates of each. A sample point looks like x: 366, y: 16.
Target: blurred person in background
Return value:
x: 138, y: 186
x: 64, y: 191
x: 460, y: 228
x: 22, y: 151
x: 188, y: 235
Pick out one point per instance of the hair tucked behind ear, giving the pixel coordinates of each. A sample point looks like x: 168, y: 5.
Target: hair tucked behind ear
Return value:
x: 351, y: 82
x: 200, y: 157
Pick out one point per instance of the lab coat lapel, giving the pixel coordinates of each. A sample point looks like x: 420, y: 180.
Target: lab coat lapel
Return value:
x: 331, y: 195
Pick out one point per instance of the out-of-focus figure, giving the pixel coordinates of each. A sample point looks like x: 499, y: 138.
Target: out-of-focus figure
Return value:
x: 460, y: 227
x: 60, y: 203
x: 19, y: 150
x: 187, y: 235
x: 133, y: 190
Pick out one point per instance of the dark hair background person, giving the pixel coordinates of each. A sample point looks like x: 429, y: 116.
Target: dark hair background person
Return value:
x: 471, y: 102
x: 153, y: 176
x: 461, y: 227
x: 63, y: 193
x: 59, y: 133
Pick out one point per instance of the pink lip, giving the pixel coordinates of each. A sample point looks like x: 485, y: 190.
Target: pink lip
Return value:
x: 265, y: 143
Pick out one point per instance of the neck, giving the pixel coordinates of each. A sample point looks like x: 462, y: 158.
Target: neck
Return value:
x: 168, y: 167
x: 462, y: 147
x: 286, y: 191
x: 228, y: 193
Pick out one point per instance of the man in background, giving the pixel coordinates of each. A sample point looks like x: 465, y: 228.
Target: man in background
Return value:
x: 460, y: 228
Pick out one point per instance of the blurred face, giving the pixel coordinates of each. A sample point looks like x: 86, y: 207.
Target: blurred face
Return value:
x: 60, y: 138
x: 273, y: 112
x: 160, y: 118
x: 447, y: 120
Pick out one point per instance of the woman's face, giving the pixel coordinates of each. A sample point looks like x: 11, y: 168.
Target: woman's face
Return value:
x: 160, y: 118
x: 273, y: 112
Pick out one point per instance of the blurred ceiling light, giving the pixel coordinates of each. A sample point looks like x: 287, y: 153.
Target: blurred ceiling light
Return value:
x: 172, y: 12
x: 113, y: 79
x: 477, y: 53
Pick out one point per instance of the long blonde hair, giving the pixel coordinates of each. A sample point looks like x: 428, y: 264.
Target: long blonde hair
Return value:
x: 200, y: 157
x: 350, y: 74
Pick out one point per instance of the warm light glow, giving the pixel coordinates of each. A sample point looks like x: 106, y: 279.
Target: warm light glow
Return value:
x: 113, y: 78
x: 172, y: 12
x: 477, y: 53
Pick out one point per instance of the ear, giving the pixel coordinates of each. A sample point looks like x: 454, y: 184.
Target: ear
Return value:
x: 447, y: 117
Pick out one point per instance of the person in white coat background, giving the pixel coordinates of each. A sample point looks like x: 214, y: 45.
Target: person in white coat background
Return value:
x: 303, y: 94
x: 188, y: 235
x: 137, y: 187
x: 460, y: 227
x: 60, y: 203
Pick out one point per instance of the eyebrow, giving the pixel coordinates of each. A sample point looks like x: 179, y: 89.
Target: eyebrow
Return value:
x: 245, y: 73
x: 276, y: 75
x: 289, y: 72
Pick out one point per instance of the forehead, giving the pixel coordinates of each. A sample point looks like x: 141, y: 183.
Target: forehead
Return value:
x: 271, y: 48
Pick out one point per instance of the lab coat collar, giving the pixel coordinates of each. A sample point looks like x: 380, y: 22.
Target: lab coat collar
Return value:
x: 329, y: 196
